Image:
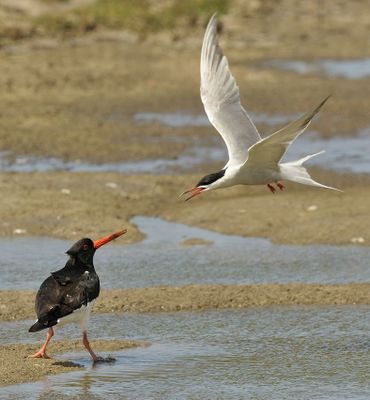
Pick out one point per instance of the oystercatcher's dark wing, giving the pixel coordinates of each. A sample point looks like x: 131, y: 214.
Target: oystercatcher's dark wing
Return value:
x: 59, y: 296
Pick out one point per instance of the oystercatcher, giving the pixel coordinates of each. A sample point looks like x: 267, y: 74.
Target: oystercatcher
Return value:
x: 67, y: 295
x: 252, y: 160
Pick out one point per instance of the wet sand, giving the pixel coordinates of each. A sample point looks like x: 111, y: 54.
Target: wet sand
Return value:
x: 15, y: 367
x: 18, y: 305
x: 91, y: 209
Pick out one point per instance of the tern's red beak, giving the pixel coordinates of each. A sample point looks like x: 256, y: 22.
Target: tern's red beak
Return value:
x: 193, y: 192
x: 100, y: 242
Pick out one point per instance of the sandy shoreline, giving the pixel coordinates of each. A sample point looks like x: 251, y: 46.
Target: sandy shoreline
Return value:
x: 15, y: 367
x: 18, y: 305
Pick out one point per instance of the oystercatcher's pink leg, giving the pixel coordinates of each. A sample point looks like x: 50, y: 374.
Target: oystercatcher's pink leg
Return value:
x: 86, y: 343
x: 272, y: 189
x: 280, y: 185
x: 42, y: 352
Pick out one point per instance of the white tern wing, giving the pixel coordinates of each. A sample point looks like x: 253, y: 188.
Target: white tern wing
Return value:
x: 269, y: 151
x: 221, y: 99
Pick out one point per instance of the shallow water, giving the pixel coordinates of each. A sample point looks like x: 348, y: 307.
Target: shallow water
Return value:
x: 261, y: 353
x: 162, y: 259
x: 349, y: 69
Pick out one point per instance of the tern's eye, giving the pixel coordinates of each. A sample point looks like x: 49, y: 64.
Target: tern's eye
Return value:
x: 85, y: 247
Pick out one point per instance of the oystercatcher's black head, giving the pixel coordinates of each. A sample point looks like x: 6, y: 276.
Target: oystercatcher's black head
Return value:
x: 208, y: 182
x: 83, y: 251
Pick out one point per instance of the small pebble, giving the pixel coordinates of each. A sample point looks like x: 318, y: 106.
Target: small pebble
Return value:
x: 312, y: 208
x: 19, y: 231
x: 358, y: 240
x: 65, y: 191
x: 111, y: 185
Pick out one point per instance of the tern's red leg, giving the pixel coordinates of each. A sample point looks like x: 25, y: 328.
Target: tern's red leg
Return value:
x: 280, y: 185
x: 272, y: 189
x: 86, y: 343
x: 42, y: 352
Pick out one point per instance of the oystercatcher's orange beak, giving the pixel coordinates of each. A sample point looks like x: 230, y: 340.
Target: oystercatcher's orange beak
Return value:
x: 104, y: 240
x: 193, y: 192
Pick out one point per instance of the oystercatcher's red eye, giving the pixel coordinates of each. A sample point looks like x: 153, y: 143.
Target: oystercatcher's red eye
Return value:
x: 85, y: 247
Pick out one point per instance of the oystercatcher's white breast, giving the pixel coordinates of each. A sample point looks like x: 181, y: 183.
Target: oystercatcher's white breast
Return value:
x: 79, y: 317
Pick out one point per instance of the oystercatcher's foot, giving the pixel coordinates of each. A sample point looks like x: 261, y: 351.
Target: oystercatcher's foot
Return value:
x: 280, y: 185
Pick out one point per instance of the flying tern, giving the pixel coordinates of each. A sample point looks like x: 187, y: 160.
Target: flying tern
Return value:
x: 252, y: 160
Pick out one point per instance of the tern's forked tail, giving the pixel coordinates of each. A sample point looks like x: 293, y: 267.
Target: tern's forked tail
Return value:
x: 294, y: 171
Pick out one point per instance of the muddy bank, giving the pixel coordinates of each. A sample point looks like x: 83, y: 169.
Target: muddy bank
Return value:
x: 15, y: 367
x: 17, y: 305
x: 93, y: 204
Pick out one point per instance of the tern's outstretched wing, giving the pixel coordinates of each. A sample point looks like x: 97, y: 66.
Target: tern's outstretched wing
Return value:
x: 270, y: 150
x: 220, y: 96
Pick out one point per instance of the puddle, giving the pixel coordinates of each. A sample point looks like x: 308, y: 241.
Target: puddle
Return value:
x: 278, y: 352
x: 349, y: 69
x: 183, y: 119
x: 186, y: 161
x: 162, y: 259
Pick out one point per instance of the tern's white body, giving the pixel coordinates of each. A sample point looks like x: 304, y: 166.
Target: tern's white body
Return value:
x: 252, y: 160
x: 236, y: 175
